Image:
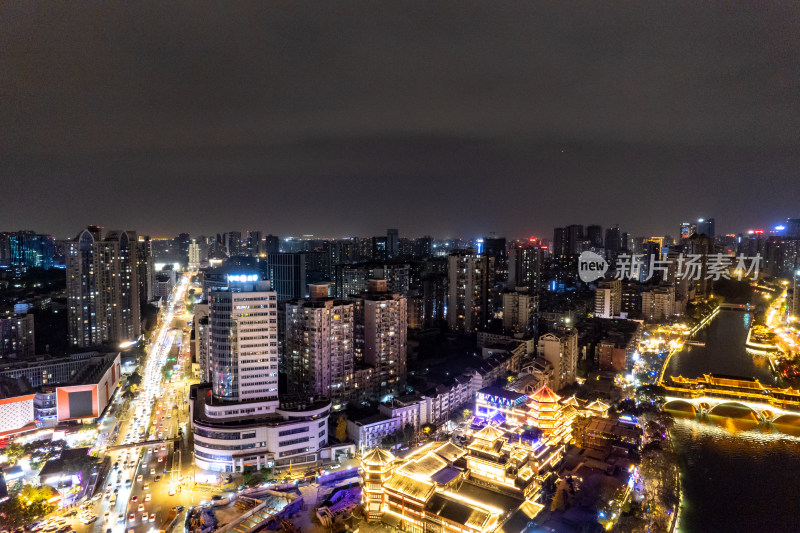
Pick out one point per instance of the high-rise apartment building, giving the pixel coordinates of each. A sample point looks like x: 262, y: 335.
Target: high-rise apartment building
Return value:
x: 16, y: 337
x: 103, y: 288
x: 608, y: 299
x: 233, y: 243
x: 380, y: 248
x: 254, y: 244
x: 381, y: 328
x: 194, y: 255
x: 568, y: 240
x: 145, y: 269
x: 319, y: 343
x: 243, y: 340
x: 615, y: 242
x: 525, y: 266
x: 519, y: 310
x: 658, y: 303
x: 468, y: 298
x: 560, y: 348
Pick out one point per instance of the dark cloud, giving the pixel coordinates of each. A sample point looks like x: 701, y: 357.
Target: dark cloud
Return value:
x: 349, y: 117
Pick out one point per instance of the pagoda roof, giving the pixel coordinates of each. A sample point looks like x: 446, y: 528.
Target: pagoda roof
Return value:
x: 597, y: 405
x: 545, y: 395
x: 572, y: 400
x: 489, y: 433
x: 377, y: 457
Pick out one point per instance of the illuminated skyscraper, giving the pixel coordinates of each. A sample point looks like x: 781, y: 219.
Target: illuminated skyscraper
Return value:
x: 243, y: 339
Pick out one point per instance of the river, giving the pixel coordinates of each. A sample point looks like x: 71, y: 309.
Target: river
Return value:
x: 736, y: 475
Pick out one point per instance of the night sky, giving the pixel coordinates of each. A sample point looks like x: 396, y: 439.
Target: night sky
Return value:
x: 450, y: 118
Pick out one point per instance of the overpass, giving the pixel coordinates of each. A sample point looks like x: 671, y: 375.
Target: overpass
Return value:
x: 708, y: 392
x: 140, y: 443
x: 738, y: 307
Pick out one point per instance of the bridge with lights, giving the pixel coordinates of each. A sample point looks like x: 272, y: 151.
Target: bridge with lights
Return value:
x: 710, y: 391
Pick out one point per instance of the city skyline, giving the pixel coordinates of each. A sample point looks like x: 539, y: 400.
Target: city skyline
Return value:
x: 514, y: 119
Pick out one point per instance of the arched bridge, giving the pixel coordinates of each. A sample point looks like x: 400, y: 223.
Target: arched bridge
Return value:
x: 710, y: 391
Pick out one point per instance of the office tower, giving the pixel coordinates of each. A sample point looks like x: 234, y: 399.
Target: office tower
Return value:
x: 614, y: 242
x: 287, y: 273
x: 423, y: 247
x: 182, y: 242
x: 594, y: 235
x: 380, y: 248
x: 319, y: 346
x: 21, y: 250
x: 608, y: 299
x: 468, y: 292
x: 381, y: 324
x: 392, y: 243
x: 794, y: 309
x: 238, y: 421
x: 519, y: 310
x: 5, y: 249
x: 16, y: 337
x: 103, y: 288
x: 560, y: 348
x: 145, y: 268
x: 687, y: 229
x: 233, y: 243
x: 253, y: 243
x: 705, y: 226
x: 272, y: 244
x: 559, y: 242
x: 792, y: 228
x: 243, y: 355
x: 525, y: 266
x: 574, y: 233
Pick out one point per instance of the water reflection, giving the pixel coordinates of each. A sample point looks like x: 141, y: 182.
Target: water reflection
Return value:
x: 738, y: 474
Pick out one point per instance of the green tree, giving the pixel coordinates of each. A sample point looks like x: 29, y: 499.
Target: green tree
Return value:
x: 559, y: 501
x: 135, y: 379
x: 15, y: 450
x: 247, y: 477
x: 466, y: 414
x: 12, y: 512
x: 341, y: 429
x: 265, y: 473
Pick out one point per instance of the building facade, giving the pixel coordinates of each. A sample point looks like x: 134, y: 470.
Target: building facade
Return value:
x: 319, y: 347
x: 381, y: 329
x: 102, y: 288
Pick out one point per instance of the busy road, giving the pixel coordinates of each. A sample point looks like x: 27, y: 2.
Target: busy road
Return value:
x: 136, y: 495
